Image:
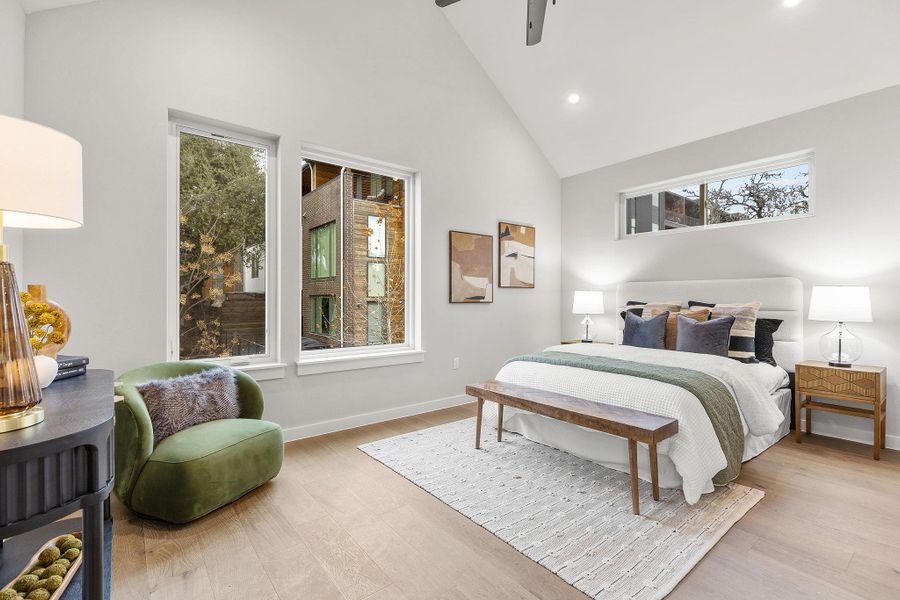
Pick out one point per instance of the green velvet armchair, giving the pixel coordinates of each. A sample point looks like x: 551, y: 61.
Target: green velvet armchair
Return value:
x: 199, y: 469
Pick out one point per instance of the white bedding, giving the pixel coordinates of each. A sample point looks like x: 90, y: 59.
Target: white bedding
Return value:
x: 694, y: 451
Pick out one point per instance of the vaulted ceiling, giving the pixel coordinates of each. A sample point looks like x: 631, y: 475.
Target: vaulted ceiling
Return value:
x: 653, y: 74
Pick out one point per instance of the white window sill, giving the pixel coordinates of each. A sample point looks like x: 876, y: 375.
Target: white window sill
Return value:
x: 263, y: 372
x: 349, y: 362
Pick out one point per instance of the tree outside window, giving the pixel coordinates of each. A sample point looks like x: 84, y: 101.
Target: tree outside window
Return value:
x: 222, y: 232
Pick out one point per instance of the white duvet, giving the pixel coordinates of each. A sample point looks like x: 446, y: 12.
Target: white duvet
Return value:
x: 695, y: 450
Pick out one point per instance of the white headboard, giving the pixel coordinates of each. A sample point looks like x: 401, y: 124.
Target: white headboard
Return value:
x: 781, y: 297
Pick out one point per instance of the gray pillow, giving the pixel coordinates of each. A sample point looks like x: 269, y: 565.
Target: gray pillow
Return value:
x: 704, y: 337
x: 645, y: 333
x: 182, y: 402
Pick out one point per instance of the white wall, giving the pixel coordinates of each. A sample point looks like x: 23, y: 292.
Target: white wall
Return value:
x: 12, y: 96
x: 389, y: 80
x: 852, y: 239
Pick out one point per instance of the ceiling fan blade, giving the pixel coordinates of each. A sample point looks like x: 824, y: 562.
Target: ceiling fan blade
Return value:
x: 444, y: 3
x: 536, y: 11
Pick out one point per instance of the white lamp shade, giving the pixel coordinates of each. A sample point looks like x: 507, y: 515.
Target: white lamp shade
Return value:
x: 845, y: 303
x: 40, y: 176
x: 588, y: 303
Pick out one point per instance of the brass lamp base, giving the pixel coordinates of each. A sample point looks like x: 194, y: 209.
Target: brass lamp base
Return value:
x: 21, y: 420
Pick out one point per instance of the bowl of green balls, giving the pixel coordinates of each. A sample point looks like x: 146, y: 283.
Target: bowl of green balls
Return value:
x: 48, y: 572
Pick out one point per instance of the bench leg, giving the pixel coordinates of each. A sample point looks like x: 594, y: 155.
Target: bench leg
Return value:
x: 654, y: 470
x: 499, y: 422
x: 478, y: 424
x: 632, y: 457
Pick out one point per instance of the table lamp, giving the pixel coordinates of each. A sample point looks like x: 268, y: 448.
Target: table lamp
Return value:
x: 40, y: 188
x: 587, y: 304
x: 841, y: 304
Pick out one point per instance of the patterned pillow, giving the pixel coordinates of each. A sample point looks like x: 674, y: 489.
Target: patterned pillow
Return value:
x: 704, y: 337
x: 645, y: 333
x: 742, y: 345
x: 182, y: 402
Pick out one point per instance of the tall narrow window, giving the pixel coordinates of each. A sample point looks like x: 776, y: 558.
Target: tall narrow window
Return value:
x: 224, y: 210
x: 323, y: 321
x: 375, y: 322
x: 366, y: 258
x: 376, y: 281
x: 376, y: 236
x: 322, y: 246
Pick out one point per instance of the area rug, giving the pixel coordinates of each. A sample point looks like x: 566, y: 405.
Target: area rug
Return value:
x: 570, y: 515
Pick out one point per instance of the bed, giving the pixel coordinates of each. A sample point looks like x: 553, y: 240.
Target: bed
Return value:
x: 692, y: 458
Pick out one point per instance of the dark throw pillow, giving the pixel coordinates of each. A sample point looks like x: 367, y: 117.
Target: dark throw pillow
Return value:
x: 634, y: 307
x: 649, y: 333
x: 182, y: 402
x: 693, y: 303
x: 704, y: 337
x: 765, y: 342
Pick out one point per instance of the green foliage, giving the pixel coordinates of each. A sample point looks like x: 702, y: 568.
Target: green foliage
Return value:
x: 222, y: 194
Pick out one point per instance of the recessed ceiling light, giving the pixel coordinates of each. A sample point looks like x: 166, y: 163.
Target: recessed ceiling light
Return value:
x: 790, y: 3
x: 573, y: 98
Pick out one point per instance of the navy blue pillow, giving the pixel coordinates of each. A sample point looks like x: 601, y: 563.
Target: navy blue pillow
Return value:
x: 704, y: 337
x: 645, y: 333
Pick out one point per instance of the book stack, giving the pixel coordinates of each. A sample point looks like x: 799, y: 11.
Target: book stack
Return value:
x: 71, y: 366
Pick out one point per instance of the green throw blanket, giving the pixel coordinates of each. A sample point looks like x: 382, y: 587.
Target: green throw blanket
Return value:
x: 712, y: 394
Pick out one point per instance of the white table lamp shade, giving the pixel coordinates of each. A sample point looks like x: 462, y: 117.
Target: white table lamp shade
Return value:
x: 843, y: 303
x: 40, y: 176
x: 40, y: 187
x: 588, y: 303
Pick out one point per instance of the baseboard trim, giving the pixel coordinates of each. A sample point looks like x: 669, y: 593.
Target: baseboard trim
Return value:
x: 321, y: 428
x: 851, y: 434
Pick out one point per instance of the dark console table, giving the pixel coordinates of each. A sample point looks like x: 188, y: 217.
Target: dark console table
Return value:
x: 64, y: 464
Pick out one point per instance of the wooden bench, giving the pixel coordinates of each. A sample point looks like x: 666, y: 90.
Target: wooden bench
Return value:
x: 633, y: 425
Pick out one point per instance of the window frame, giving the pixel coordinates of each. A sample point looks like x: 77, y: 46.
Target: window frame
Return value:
x: 741, y: 170
x: 311, y: 362
x: 261, y: 366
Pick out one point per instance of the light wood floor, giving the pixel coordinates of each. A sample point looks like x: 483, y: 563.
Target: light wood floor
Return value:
x: 335, y: 524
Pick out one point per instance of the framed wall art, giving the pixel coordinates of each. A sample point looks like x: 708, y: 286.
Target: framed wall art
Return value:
x: 471, y: 267
x: 516, y: 250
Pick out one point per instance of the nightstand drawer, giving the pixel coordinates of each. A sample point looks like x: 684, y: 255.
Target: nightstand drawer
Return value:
x: 837, y: 381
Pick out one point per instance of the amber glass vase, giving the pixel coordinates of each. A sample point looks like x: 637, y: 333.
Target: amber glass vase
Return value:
x: 19, y: 388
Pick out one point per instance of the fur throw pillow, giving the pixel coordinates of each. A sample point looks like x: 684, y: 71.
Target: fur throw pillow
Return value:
x: 182, y: 402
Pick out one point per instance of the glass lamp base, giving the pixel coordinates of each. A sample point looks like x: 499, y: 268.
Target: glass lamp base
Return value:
x: 840, y: 347
x: 587, y: 322
x: 19, y: 387
x: 21, y: 420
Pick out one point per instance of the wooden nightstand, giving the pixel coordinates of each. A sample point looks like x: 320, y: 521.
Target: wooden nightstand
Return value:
x: 858, y: 384
x: 564, y: 342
